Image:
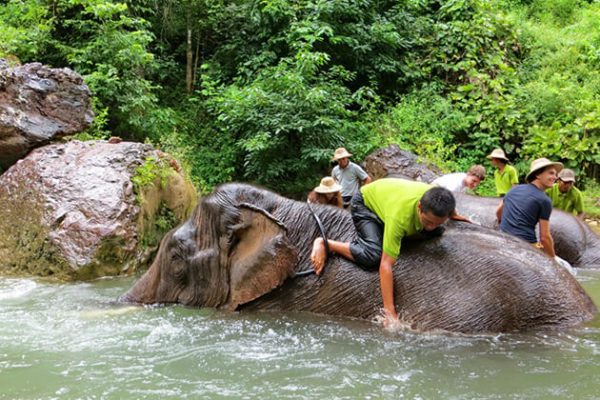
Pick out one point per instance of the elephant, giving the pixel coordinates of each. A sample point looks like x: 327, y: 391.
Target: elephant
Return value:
x: 247, y: 249
x: 574, y: 241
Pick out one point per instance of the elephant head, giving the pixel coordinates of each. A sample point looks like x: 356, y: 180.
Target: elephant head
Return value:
x: 228, y: 253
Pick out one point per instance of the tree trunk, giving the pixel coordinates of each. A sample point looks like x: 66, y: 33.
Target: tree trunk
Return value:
x: 189, y: 81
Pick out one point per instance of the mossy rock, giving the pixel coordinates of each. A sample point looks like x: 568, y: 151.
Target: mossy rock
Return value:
x: 73, y: 210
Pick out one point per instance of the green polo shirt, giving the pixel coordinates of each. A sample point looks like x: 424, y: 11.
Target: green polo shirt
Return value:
x: 572, y: 201
x: 506, y: 179
x: 395, y: 203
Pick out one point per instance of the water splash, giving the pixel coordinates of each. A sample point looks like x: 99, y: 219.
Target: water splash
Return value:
x: 16, y: 288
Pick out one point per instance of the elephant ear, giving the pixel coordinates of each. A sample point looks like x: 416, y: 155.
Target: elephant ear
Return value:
x: 261, y: 258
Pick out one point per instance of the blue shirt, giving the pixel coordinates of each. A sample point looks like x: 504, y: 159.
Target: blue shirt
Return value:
x: 524, y: 206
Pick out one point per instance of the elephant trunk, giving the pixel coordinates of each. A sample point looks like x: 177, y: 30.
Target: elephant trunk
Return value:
x: 144, y: 291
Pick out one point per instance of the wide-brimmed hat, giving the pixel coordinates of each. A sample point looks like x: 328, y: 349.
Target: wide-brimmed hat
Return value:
x: 340, y: 152
x: 498, y: 153
x: 542, y: 163
x: 328, y: 185
x: 566, y: 175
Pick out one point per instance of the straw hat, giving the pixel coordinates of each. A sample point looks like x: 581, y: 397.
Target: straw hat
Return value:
x: 328, y: 185
x: 340, y: 152
x: 566, y: 175
x: 542, y: 163
x: 498, y: 153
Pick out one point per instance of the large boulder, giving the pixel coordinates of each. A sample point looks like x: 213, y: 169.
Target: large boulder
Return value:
x: 81, y: 210
x: 394, y: 162
x: 39, y: 104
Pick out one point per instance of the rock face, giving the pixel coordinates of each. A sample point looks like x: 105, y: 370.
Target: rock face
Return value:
x: 72, y: 210
x: 38, y: 104
x: 393, y: 162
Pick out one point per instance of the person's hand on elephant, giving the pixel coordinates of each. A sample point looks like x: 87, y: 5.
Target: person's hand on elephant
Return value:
x: 457, y: 217
x: 318, y: 255
x: 565, y: 264
x: 390, y: 319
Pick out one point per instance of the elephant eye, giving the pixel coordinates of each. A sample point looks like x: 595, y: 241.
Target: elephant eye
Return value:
x: 179, y: 270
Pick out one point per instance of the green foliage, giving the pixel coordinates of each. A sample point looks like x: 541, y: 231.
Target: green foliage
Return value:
x: 164, y: 221
x: 98, y: 130
x: 109, y: 48
x: 283, y: 125
x: 591, y: 198
x: 25, y: 28
x: 426, y: 123
x: 101, y: 41
x: 146, y: 175
x: 280, y: 83
x: 560, y: 82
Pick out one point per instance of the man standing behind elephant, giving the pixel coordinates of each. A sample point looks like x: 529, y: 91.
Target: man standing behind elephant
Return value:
x: 384, y: 212
x: 506, y: 176
x: 524, y: 206
x: 460, y: 181
x: 565, y: 195
x: 348, y: 174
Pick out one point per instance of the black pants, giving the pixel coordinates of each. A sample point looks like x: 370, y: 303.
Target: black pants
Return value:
x: 367, y: 248
x: 346, y: 200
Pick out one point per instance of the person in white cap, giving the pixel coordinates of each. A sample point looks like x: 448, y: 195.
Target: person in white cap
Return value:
x: 328, y: 193
x: 524, y: 206
x: 505, y: 176
x: 565, y: 195
x: 348, y: 174
x: 460, y: 181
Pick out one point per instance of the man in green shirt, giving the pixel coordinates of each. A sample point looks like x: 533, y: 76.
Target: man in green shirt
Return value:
x: 565, y: 195
x: 505, y: 176
x: 384, y: 212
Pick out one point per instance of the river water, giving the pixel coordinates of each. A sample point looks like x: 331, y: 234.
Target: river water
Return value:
x: 71, y: 341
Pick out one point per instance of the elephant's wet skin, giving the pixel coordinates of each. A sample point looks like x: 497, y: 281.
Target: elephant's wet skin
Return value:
x: 243, y: 246
x: 574, y: 241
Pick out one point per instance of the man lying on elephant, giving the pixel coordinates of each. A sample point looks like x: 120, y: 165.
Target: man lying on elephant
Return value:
x: 383, y: 213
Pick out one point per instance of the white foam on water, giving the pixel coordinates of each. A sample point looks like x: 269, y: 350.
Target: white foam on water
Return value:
x: 16, y: 288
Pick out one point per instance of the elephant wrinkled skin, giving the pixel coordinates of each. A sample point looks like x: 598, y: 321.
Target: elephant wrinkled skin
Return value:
x: 243, y: 247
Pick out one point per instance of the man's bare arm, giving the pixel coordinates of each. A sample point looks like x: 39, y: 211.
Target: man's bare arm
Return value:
x: 546, y: 237
x: 455, y: 216
x: 499, y: 211
x: 386, y: 277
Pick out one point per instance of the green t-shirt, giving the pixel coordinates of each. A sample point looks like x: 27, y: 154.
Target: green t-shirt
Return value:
x: 395, y: 203
x: 572, y: 201
x: 506, y: 179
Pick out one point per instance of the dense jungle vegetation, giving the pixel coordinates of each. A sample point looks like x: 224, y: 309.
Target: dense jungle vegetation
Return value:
x: 264, y: 90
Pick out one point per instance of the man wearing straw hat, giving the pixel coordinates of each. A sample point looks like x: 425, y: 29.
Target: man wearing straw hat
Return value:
x: 565, y: 195
x: 328, y: 193
x: 524, y: 206
x: 348, y: 174
x: 505, y: 176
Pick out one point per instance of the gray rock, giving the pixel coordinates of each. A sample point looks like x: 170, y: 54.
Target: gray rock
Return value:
x: 393, y: 162
x: 39, y: 104
x: 72, y: 211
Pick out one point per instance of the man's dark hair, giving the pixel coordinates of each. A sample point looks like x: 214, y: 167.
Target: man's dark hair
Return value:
x: 438, y: 201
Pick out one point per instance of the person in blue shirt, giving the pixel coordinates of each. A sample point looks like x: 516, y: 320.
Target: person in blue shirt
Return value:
x: 524, y: 206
